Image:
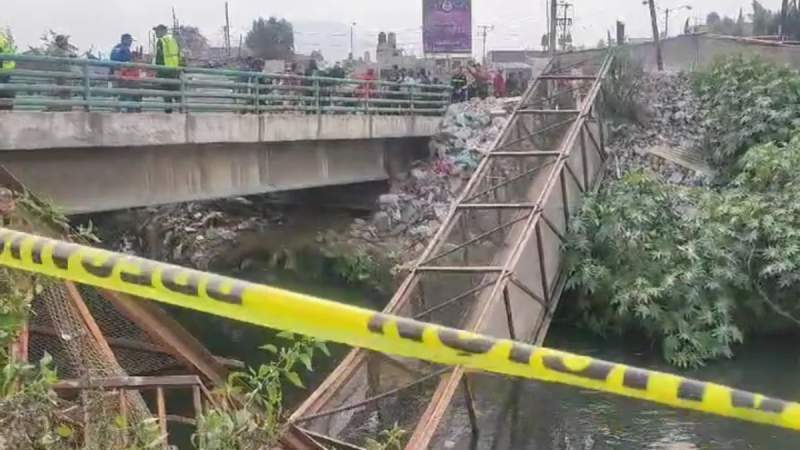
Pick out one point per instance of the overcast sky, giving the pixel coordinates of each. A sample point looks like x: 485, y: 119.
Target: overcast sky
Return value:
x: 325, y: 23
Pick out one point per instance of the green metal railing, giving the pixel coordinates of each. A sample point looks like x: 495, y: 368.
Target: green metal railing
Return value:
x: 66, y: 84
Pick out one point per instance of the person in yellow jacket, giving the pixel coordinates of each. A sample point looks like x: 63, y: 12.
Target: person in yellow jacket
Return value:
x: 6, y: 48
x: 168, y: 54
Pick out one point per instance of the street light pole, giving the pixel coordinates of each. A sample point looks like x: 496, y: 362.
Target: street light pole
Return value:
x: 352, y: 40
x: 667, y: 13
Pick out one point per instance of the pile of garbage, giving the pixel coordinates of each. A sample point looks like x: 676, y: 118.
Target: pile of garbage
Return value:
x: 190, y: 234
x: 669, y: 139
x: 410, y: 215
x: 469, y: 129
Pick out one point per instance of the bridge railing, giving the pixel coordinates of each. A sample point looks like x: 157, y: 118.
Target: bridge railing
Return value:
x: 65, y: 84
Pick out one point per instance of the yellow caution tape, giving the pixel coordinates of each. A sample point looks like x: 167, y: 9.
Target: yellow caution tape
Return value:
x: 330, y: 321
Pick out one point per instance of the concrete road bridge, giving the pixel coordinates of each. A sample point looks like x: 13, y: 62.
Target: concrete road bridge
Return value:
x: 98, y: 135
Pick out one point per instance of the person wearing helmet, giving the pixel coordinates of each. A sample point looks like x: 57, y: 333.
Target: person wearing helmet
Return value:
x: 168, y: 54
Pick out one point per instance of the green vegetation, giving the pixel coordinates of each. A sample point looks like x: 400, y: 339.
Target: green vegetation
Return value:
x: 746, y: 102
x: 696, y: 269
x: 250, y: 414
x: 622, y: 88
x: 391, y: 439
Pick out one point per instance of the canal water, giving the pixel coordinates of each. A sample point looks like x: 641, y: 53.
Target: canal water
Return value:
x: 529, y: 415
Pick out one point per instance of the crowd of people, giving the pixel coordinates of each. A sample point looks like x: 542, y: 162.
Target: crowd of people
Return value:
x: 475, y: 81
x: 470, y: 81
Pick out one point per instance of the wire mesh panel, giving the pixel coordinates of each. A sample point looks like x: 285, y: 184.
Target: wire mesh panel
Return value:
x: 76, y: 350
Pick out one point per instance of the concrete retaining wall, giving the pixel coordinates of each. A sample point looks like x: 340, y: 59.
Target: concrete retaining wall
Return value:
x: 692, y: 52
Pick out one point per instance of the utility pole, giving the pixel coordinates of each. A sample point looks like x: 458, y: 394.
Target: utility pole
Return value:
x: 565, y: 23
x: 485, y: 29
x: 553, y: 27
x: 227, y: 31
x: 656, y: 37
x: 175, y: 24
x: 784, y: 13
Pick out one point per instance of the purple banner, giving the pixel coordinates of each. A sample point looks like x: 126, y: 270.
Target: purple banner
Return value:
x: 447, y: 26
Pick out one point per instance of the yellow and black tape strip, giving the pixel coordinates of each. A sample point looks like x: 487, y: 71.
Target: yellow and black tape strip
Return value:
x: 330, y: 321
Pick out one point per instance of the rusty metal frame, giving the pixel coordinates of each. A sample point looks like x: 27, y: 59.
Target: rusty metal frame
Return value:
x: 528, y: 231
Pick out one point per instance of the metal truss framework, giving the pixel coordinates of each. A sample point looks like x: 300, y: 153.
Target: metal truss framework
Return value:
x: 495, y: 265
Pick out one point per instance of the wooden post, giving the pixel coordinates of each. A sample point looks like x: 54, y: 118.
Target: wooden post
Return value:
x: 197, y: 401
x: 656, y: 37
x: 123, y: 412
x: 162, y: 412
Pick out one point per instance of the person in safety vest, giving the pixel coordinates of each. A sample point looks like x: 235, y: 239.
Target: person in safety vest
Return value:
x: 168, y: 54
x: 6, y: 48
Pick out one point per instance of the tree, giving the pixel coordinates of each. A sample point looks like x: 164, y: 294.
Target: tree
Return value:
x: 271, y: 39
x: 192, y: 42
x: 713, y: 20
x: 739, y: 27
x: 601, y: 43
x: 765, y: 22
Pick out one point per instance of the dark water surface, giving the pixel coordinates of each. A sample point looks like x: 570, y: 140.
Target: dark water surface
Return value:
x: 529, y: 415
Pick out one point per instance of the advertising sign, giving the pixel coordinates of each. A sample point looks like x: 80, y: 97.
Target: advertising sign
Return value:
x: 447, y: 26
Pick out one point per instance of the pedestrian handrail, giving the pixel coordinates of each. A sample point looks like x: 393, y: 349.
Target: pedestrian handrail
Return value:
x: 63, y: 84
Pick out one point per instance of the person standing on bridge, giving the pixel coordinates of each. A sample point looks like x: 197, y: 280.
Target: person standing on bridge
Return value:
x: 6, y: 48
x: 168, y: 55
x: 126, y: 75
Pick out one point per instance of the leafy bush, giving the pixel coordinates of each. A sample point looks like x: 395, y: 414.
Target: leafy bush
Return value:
x: 251, y: 412
x: 622, y: 88
x: 746, y: 101
x: 693, y: 269
x: 642, y: 261
x: 29, y: 408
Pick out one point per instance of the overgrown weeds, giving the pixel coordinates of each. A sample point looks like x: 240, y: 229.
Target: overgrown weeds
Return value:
x: 622, y: 90
x: 746, y: 102
x: 694, y: 269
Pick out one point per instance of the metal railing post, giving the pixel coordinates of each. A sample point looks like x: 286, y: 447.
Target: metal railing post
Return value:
x: 87, y: 87
x: 258, y: 94
x: 412, y: 91
x: 184, y: 105
x: 317, y: 95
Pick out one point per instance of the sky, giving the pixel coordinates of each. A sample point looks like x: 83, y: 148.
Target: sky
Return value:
x: 325, y: 24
